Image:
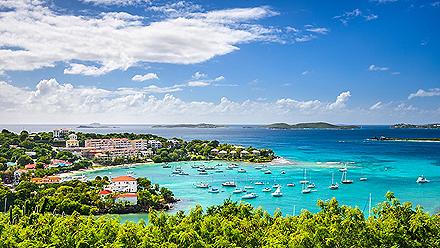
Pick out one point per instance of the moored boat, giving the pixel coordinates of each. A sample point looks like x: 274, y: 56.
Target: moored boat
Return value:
x: 229, y: 184
x: 344, y: 179
x: 237, y: 191
x: 213, y: 190
x: 267, y: 190
x: 277, y: 192
x: 259, y: 183
x: 290, y: 185
x: 422, y: 179
x: 249, y: 196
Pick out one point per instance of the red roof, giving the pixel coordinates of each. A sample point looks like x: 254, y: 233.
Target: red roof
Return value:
x: 126, y: 195
x: 30, y: 166
x: 105, y: 192
x: 124, y: 179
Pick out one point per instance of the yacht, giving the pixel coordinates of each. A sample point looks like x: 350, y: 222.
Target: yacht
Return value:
x: 305, y: 190
x: 202, y: 185
x: 267, y: 172
x: 344, y: 169
x: 276, y: 185
x: 311, y: 186
x: 334, y: 185
x: 363, y: 179
x: 277, y: 192
x: 290, y: 185
x: 258, y: 167
x: 218, y: 171
x: 229, y: 184
x: 203, y: 172
x: 237, y: 191
x: 304, y: 181
x: 344, y: 179
x: 249, y: 196
x: 259, y: 183
x: 422, y: 179
x: 283, y: 172
x: 248, y: 187
x: 213, y: 190
x: 241, y: 170
x: 267, y: 190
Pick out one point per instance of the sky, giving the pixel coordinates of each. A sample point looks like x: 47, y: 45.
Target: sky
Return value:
x: 219, y: 61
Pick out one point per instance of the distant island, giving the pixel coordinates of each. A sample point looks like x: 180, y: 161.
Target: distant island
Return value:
x: 311, y: 125
x: 423, y: 126
x: 383, y: 138
x: 95, y: 125
x: 200, y: 125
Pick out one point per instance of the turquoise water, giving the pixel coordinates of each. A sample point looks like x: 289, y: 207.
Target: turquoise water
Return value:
x: 389, y: 166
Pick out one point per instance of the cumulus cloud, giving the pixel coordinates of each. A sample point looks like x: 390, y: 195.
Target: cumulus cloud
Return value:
x: 347, y: 16
x: 199, y: 75
x: 425, y: 93
x: 95, y: 45
x: 148, y: 76
x: 341, y: 100
x: 65, y: 103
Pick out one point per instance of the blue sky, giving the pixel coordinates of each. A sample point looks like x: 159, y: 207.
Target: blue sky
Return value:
x: 137, y: 61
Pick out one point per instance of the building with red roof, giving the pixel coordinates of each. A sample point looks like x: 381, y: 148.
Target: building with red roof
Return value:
x: 130, y: 198
x: 30, y: 166
x: 123, y: 184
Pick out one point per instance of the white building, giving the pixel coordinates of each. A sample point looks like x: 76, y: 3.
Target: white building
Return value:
x: 173, y: 143
x: 140, y: 144
x: 60, y: 132
x: 121, y: 143
x: 72, y: 141
x: 155, y: 144
x: 123, y: 184
x: 99, y: 144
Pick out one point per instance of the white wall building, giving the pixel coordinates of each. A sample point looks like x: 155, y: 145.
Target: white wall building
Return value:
x: 155, y: 144
x: 123, y: 184
x: 60, y: 132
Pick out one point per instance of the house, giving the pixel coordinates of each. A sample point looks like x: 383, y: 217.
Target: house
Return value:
x: 60, y: 133
x: 31, y: 154
x: 46, y: 180
x: 214, y: 151
x: 59, y: 163
x: 123, y: 184
x: 72, y: 141
x: 147, y: 153
x: 30, y: 166
x: 128, y: 198
x: 121, y: 143
x: 233, y: 153
x: 155, y: 144
x: 99, y: 144
x: 18, y: 173
x: 256, y: 153
x: 9, y: 164
x: 172, y: 143
x: 244, y: 153
x: 104, y: 193
x: 222, y: 153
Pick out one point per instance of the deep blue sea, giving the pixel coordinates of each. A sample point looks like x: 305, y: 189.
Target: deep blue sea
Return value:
x: 389, y: 166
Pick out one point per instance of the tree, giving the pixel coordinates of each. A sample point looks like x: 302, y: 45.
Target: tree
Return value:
x: 24, y: 160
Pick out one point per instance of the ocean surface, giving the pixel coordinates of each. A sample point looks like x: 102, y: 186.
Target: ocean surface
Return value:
x: 388, y: 165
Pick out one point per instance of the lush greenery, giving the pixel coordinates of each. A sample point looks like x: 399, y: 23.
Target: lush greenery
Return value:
x: 82, y: 197
x: 393, y: 224
x: 312, y: 125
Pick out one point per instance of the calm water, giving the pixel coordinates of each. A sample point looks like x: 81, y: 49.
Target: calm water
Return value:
x: 392, y: 166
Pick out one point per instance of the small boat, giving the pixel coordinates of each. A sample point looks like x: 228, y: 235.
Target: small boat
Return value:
x: 290, y: 185
x: 249, y: 196
x: 283, y: 172
x: 218, y: 171
x: 304, y: 181
x: 176, y: 172
x: 267, y: 190
x: 422, y: 179
x: 218, y: 165
x: 182, y: 173
x: 248, y: 187
x: 277, y: 192
x: 267, y: 172
x: 203, y: 173
x: 276, y: 185
x: 306, y: 190
x: 344, y: 169
x: 209, y: 168
x: 259, y: 183
x: 166, y: 166
x: 241, y: 170
x: 194, y: 166
x: 213, y: 190
x: 229, y: 167
x: 311, y: 186
x: 344, y: 179
x: 237, y: 191
x: 363, y: 179
x: 202, y: 185
x: 229, y: 184
x: 334, y: 185
x: 258, y: 167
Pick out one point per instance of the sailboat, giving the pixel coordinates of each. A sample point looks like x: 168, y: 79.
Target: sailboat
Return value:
x: 422, y: 179
x: 334, y: 185
x: 259, y: 183
x: 311, y: 185
x: 304, y: 181
x: 344, y: 179
x: 277, y: 192
x: 305, y: 190
x: 267, y: 190
x: 249, y: 196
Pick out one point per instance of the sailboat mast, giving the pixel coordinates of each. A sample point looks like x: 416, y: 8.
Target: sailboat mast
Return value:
x: 369, y: 206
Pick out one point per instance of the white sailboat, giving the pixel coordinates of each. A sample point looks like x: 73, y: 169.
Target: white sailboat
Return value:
x: 304, y: 181
x: 305, y: 190
x: 344, y: 179
x: 334, y: 185
x: 277, y: 192
x: 422, y: 179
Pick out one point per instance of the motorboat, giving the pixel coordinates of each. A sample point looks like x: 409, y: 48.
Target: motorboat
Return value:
x: 267, y: 190
x: 194, y: 166
x: 218, y: 171
x: 277, y: 192
x: 344, y: 169
x: 259, y: 183
x: 166, y: 166
x: 248, y: 187
x: 249, y: 196
x: 203, y: 173
x: 334, y: 185
x: 344, y: 179
x: 311, y: 186
x: 241, y: 170
x: 422, y: 179
x: 213, y: 190
x: 276, y: 185
x: 283, y: 172
x: 267, y: 172
x: 229, y: 184
x: 290, y: 185
x: 182, y: 173
x: 237, y: 191
x: 363, y: 179
x: 258, y: 167
x: 306, y: 190
x: 202, y: 185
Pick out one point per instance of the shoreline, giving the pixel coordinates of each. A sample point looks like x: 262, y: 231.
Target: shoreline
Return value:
x: 407, y: 140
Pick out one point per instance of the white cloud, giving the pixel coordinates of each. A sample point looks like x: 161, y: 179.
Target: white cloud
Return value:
x: 199, y: 75
x: 318, y: 30
x: 115, y: 2
x: 425, y: 93
x: 219, y: 78
x: 305, y: 73
x: 376, y: 106
x: 198, y: 83
x: 347, y: 16
x: 371, y: 17
x: 120, y: 40
x: 148, y: 76
x: 340, y: 102
x: 377, y: 68
x: 383, y: 1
